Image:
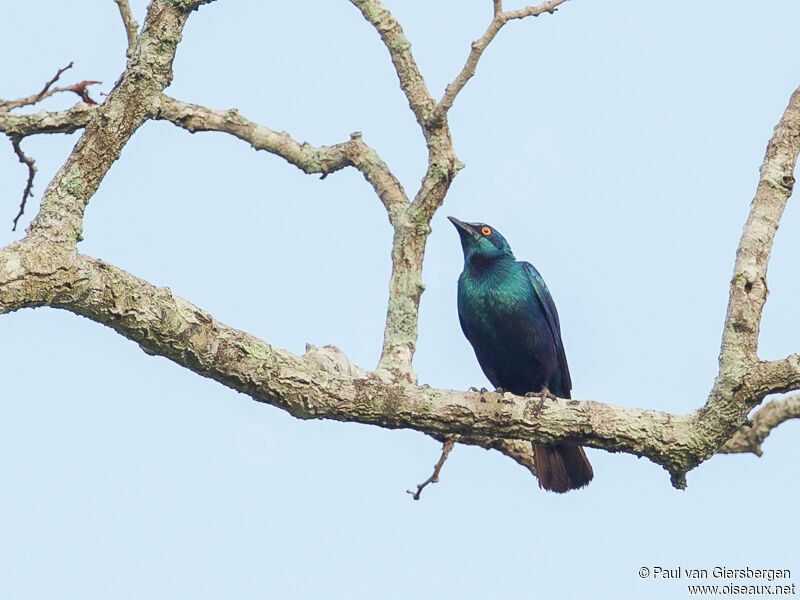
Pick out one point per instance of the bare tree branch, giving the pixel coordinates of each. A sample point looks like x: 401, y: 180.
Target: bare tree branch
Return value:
x: 777, y: 376
x: 437, y: 468
x: 64, y: 121
x: 411, y: 226
x: 411, y: 81
x: 534, y: 11
x: 135, y: 98
x: 743, y: 381
x: 311, y: 159
x: 45, y: 269
x: 8, y: 105
x: 27, y: 193
x: 750, y: 437
x: 748, y: 291
x: 324, y: 384
x: 78, y: 88
x: 131, y: 26
x: 478, y: 47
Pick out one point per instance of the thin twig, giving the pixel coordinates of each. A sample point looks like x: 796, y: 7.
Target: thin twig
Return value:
x: 131, y: 26
x: 533, y: 11
x: 46, y: 91
x: 498, y: 21
x: 15, y: 140
x: 446, y: 448
x: 46, y: 87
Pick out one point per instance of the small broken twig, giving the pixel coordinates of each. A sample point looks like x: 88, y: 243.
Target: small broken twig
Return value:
x: 47, y: 85
x: 15, y: 141
x: 8, y: 105
x: 446, y: 448
x: 80, y: 89
x: 48, y: 90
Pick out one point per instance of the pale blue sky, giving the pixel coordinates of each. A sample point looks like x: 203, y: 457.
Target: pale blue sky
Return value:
x: 615, y: 145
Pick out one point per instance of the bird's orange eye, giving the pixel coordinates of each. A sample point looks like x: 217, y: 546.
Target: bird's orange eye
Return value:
x: 486, y: 230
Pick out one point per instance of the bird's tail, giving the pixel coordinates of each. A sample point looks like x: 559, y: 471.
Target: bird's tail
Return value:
x: 561, y: 468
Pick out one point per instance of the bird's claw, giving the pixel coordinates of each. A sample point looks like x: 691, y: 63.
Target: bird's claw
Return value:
x: 499, y: 390
x: 481, y: 391
x: 543, y: 395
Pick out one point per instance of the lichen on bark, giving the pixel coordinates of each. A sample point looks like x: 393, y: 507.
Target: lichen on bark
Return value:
x: 46, y: 269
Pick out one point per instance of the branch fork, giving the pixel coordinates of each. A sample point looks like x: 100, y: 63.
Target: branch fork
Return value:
x: 45, y: 269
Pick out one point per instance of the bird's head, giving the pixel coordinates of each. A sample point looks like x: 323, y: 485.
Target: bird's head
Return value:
x: 482, y: 241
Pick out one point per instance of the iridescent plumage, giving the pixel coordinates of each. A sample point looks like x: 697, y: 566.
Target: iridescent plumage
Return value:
x: 509, y: 317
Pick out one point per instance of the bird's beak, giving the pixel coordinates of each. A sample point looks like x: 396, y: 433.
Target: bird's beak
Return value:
x: 465, y: 227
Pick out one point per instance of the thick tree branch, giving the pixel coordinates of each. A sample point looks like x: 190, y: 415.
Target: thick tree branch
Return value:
x: 324, y: 383
x: 311, y: 159
x: 45, y: 269
x: 750, y: 437
x: 478, y: 47
x: 743, y: 381
x: 777, y: 376
x: 130, y: 24
x: 64, y: 121
x: 748, y: 291
x: 412, y: 226
x: 135, y: 98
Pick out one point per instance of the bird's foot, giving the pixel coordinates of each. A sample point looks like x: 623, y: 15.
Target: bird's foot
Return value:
x: 543, y: 395
x: 481, y: 391
x: 549, y: 395
x: 499, y: 390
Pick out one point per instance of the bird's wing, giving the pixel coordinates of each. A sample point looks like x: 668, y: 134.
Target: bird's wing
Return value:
x: 490, y: 373
x: 551, y: 314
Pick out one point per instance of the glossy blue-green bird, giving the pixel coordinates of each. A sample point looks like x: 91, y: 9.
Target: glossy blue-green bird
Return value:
x: 509, y: 317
